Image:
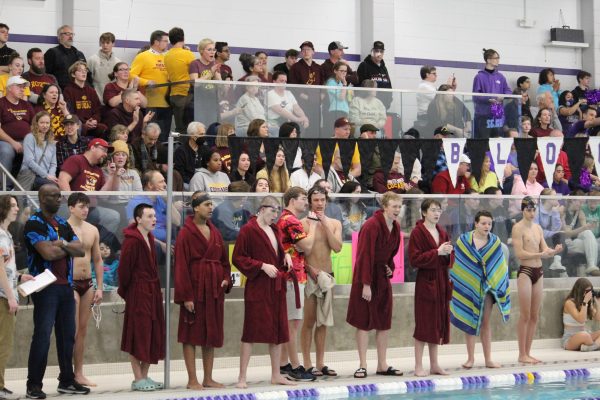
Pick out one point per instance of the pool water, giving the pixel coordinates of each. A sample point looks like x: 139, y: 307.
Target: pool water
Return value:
x: 572, y: 389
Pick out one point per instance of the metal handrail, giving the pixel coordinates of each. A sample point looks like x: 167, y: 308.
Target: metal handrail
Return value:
x: 5, y: 174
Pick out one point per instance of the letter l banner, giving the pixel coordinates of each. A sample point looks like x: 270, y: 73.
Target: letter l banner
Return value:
x: 453, y: 148
x: 500, y: 150
x: 549, y: 148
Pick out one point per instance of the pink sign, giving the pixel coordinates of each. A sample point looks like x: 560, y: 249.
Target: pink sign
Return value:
x: 398, y: 276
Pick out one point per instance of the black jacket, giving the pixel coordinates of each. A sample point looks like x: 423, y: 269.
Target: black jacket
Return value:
x: 58, y: 60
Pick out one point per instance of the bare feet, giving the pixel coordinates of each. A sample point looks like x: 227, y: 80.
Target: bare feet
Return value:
x: 420, y: 372
x: 280, y: 380
x: 212, y: 384
x: 82, y: 380
x: 468, y: 364
x: 491, y: 364
x: 527, y: 360
x: 241, y: 384
x: 438, y: 371
x: 536, y: 361
x: 194, y: 386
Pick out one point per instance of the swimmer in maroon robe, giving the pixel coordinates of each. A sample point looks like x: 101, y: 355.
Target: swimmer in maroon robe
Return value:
x: 144, y: 324
x: 430, y: 250
x: 202, y: 277
x: 371, y: 300
x: 259, y: 255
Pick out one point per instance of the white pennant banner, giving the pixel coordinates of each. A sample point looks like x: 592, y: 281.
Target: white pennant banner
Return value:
x: 594, y: 143
x: 500, y: 150
x: 453, y: 148
x: 549, y: 148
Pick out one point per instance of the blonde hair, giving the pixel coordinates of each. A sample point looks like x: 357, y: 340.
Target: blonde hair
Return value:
x: 116, y: 130
x: 203, y: 43
x: 221, y: 139
x: 35, y: 129
x: 279, y: 178
x: 389, y: 196
x: 75, y: 67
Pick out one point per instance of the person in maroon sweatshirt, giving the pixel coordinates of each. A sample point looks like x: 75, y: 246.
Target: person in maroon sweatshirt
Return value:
x: 442, y: 184
x: 83, y: 101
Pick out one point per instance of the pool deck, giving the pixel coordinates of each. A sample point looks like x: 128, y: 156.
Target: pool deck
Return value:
x: 114, y: 379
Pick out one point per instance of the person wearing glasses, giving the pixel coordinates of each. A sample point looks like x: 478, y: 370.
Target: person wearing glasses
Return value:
x: 259, y: 255
x: 101, y: 63
x: 581, y: 305
x: 530, y: 247
x: 58, y: 59
x: 430, y: 252
x: 489, y: 123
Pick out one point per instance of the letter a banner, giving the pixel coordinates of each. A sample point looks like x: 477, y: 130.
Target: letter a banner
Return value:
x: 453, y: 148
x: 500, y: 149
x: 549, y: 148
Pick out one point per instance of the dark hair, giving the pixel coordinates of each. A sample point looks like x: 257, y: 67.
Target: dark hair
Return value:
x: 293, y: 193
x: 491, y: 190
x: 483, y: 213
x: 470, y: 191
x: 562, y: 99
x: 219, y: 46
x: 254, y: 127
x: 426, y: 69
x: 138, y: 211
x: 317, y: 190
x: 3, y: 25
x: 349, y: 187
x: 543, y: 78
x: 427, y: 203
x: 522, y: 80
x: 5, y: 206
x: 157, y: 36
x: 489, y: 53
x: 78, y: 197
x: 578, y: 192
x: 259, y: 52
x: 277, y: 74
x: 176, y: 35
x: 107, y: 37
x: 291, y: 53
x: 318, y: 182
x: 339, y: 64
x: 582, y: 74
x: 33, y: 50
x: 238, y: 187
x: 253, y: 188
x: 248, y: 61
x: 116, y: 67
x: 536, y: 121
x: 45, y: 89
x: 14, y: 55
x: 286, y: 129
x: 207, y: 154
x: 577, y: 294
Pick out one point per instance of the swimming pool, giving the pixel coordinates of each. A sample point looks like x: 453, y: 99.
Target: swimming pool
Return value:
x: 547, y: 385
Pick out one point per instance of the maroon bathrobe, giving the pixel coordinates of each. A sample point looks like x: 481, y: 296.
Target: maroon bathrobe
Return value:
x: 144, y: 325
x: 200, y: 267
x: 433, y: 289
x: 265, y: 312
x: 377, y: 247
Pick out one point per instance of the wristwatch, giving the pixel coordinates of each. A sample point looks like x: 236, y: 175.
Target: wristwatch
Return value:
x: 63, y: 243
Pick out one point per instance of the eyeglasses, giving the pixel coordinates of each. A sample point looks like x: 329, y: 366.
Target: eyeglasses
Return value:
x: 124, y: 69
x: 274, y: 208
x: 67, y: 33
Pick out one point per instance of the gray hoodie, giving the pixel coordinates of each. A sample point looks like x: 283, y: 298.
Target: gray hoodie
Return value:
x: 207, y: 181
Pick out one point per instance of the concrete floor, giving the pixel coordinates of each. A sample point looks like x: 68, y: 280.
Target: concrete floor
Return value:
x: 114, y: 380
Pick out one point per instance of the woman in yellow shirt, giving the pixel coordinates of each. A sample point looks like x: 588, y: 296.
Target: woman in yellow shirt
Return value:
x: 487, y: 178
x: 15, y: 68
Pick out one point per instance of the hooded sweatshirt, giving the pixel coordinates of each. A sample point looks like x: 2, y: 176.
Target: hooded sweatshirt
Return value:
x: 488, y: 82
x: 207, y: 181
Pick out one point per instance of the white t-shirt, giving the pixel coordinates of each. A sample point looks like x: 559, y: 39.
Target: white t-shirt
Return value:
x: 423, y: 99
x: 286, y: 102
x: 7, y: 250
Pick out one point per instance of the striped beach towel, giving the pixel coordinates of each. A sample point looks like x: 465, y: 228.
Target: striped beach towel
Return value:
x: 476, y: 273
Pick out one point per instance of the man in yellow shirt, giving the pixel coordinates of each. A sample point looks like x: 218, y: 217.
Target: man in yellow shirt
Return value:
x: 177, y: 61
x: 342, y: 130
x: 149, y: 67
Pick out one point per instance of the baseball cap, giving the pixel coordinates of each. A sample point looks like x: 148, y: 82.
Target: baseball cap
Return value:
x: 71, y: 119
x: 336, y: 45
x: 464, y: 159
x: 16, y: 80
x: 100, y: 142
x: 307, y: 43
x: 368, y: 127
x: 440, y: 130
x: 527, y: 202
x: 343, y: 121
x: 378, y: 45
